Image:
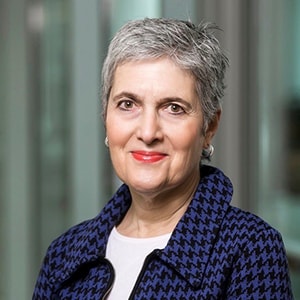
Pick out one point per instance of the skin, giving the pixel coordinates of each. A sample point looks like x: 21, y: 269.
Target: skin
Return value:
x: 154, y: 126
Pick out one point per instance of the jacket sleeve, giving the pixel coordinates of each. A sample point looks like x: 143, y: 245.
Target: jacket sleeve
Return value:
x: 260, y: 271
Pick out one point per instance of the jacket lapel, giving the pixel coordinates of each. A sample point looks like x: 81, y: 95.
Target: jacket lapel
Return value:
x: 87, y: 241
x: 192, y: 241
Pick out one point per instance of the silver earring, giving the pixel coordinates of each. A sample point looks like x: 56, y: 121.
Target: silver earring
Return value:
x: 208, y: 152
x: 106, y: 142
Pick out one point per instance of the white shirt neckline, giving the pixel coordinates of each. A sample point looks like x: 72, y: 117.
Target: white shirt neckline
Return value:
x: 127, y: 255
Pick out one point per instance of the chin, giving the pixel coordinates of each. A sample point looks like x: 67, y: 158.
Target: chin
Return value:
x: 146, y: 188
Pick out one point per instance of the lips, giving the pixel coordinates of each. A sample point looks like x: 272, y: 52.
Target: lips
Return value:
x: 148, y: 156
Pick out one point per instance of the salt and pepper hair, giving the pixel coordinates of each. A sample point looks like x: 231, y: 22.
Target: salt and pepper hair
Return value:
x: 192, y: 48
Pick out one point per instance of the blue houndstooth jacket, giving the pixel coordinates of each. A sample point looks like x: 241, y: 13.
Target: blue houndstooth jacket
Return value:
x: 216, y: 252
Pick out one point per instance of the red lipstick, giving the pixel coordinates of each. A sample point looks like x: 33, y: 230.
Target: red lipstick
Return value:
x: 148, y: 156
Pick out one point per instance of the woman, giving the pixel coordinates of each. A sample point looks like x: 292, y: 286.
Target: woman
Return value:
x: 169, y: 232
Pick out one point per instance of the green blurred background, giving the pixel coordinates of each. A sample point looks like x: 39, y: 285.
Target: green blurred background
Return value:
x: 54, y: 168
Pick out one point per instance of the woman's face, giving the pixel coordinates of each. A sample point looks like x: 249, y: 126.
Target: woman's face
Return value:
x: 154, y: 126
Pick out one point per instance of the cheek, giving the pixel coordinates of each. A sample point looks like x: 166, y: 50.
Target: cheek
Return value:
x: 189, y: 138
x: 112, y: 129
x: 118, y: 136
x: 187, y: 152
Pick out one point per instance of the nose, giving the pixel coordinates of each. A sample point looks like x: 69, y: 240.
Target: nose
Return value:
x: 149, y: 128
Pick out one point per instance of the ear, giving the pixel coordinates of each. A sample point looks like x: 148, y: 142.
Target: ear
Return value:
x: 212, y: 128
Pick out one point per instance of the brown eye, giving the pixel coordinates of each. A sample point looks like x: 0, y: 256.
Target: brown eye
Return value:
x: 126, y: 104
x: 175, y: 109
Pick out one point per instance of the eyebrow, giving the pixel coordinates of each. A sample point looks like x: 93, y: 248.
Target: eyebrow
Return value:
x: 126, y: 95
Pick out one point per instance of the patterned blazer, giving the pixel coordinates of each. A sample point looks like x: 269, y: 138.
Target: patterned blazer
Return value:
x: 215, y: 252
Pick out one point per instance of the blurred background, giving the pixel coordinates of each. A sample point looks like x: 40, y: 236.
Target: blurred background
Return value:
x: 54, y: 167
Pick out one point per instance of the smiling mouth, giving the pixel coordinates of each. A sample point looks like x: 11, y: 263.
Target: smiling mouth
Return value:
x: 148, y: 157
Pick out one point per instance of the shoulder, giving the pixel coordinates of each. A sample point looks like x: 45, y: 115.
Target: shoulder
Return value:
x: 90, y: 235
x: 73, y: 246
x: 87, y: 240
x: 63, y: 257
x: 247, y: 225
x: 72, y: 236
x: 249, y: 235
x: 238, y: 220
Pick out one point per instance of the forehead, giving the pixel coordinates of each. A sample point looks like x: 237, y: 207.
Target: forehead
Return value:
x: 159, y: 75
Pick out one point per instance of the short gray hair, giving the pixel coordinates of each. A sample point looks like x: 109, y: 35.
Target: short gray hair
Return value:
x: 193, y: 48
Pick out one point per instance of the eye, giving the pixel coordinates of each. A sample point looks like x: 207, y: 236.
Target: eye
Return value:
x: 175, y: 109
x: 126, y: 104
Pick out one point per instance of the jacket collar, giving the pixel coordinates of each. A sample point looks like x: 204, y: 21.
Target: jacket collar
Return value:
x: 87, y: 241
x: 192, y: 241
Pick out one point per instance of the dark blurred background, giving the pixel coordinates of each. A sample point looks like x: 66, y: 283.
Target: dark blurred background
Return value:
x: 54, y: 167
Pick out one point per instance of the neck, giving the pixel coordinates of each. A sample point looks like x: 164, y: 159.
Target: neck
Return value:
x: 150, y: 216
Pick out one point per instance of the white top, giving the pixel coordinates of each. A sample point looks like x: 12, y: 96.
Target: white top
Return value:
x: 127, y: 256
